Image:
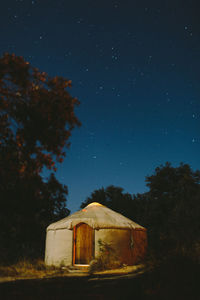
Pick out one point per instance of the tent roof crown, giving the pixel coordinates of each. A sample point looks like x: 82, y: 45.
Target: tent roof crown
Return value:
x: 94, y: 204
x: 97, y: 216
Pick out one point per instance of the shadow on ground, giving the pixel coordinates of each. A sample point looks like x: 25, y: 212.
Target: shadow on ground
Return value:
x: 174, y: 280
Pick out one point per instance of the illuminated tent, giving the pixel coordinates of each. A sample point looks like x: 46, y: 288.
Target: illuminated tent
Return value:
x: 76, y: 239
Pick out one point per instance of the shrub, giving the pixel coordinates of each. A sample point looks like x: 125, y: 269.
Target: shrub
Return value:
x: 106, y: 260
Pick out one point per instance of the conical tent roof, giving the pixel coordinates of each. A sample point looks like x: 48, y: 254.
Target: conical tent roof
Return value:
x: 97, y: 216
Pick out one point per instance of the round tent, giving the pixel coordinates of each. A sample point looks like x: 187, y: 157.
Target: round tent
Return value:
x: 77, y: 239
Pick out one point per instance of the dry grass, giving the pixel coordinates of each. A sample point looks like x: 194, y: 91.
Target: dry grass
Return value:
x: 27, y: 269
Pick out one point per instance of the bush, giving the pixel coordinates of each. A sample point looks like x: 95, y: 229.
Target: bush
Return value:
x: 106, y: 260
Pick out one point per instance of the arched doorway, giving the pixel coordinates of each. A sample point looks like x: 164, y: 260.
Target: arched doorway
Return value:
x: 83, y: 244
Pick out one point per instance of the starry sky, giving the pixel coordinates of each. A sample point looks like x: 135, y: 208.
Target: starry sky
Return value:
x: 135, y: 68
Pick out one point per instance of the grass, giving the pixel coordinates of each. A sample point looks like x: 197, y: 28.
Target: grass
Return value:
x: 25, y: 268
x: 176, y: 278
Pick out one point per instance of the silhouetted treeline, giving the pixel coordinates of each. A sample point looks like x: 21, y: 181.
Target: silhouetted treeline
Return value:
x: 170, y: 210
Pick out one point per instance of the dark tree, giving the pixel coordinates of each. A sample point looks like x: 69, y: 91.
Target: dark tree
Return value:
x: 170, y: 210
x: 36, y: 120
x: 112, y: 197
x: 173, y: 206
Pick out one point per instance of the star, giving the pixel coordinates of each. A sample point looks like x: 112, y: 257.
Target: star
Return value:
x: 80, y: 21
x: 127, y: 70
x: 114, y: 57
x: 149, y: 59
x: 68, y: 54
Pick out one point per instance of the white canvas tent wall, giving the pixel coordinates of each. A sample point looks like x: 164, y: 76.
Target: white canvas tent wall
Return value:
x: 75, y: 239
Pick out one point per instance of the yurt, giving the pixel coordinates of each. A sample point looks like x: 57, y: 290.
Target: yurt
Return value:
x: 77, y: 239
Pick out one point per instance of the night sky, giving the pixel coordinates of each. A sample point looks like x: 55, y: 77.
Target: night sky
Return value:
x: 134, y: 66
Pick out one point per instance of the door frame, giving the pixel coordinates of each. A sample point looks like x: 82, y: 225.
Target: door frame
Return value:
x: 74, y: 244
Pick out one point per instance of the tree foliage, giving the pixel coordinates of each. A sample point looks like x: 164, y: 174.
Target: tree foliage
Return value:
x: 170, y: 210
x: 112, y: 197
x: 174, y: 207
x: 36, y: 119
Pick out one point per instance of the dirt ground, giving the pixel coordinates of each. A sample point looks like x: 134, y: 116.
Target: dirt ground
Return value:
x: 76, y: 287
x: 74, y: 273
x: 130, y: 283
x: 109, y: 284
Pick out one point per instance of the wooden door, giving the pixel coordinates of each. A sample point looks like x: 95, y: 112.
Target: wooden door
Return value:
x: 83, y: 244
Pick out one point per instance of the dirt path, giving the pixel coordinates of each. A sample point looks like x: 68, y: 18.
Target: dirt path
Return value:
x: 82, y: 287
x: 112, y: 285
x: 129, y: 271
x: 141, y: 285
